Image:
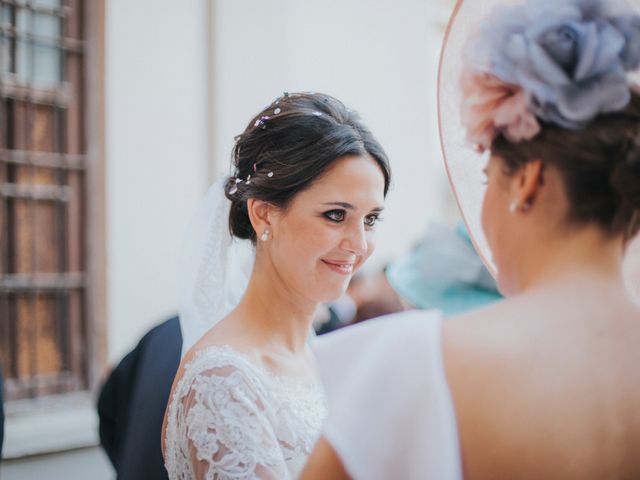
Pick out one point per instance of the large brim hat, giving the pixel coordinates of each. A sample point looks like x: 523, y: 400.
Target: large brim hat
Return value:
x: 521, y: 63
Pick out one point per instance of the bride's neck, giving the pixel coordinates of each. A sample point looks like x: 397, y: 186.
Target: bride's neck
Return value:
x: 277, y: 316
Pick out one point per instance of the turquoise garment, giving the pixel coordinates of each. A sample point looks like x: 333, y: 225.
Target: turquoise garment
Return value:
x: 443, y: 272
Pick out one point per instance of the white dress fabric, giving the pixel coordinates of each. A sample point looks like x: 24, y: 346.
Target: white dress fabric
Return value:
x: 230, y: 419
x: 390, y: 410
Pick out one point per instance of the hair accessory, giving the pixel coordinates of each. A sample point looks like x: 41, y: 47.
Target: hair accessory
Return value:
x: 248, y: 180
x: 277, y: 111
x: 261, y: 122
x: 558, y: 61
x: 317, y: 114
x: 270, y: 174
x: 233, y: 189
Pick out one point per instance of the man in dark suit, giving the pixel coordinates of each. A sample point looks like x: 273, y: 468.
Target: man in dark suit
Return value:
x: 133, y: 400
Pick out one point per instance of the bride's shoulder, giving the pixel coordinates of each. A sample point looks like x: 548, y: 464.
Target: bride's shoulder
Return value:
x: 217, y: 366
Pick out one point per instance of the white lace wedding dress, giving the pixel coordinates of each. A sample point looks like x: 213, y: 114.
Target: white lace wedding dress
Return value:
x: 230, y: 419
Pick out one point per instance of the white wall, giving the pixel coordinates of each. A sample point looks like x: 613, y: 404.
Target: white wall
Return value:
x: 156, y: 129
x: 377, y: 56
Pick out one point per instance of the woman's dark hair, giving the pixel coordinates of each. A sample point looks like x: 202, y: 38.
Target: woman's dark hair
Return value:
x: 289, y: 145
x: 600, y: 167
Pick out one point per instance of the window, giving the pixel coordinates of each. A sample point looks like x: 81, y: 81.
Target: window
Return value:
x: 43, y: 173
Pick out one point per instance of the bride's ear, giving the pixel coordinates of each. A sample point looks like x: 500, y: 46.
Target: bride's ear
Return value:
x: 260, y: 215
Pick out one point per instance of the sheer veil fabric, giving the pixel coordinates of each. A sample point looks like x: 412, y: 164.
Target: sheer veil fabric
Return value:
x: 214, y: 269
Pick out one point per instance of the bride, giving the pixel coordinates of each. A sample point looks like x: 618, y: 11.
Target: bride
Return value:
x: 545, y: 384
x: 309, y: 187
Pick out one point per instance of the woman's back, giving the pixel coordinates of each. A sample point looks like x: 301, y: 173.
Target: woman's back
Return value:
x: 547, y: 385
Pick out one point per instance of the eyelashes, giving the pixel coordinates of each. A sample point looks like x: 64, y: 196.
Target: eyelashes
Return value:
x: 336, y: 216
x: 372, y: 220
x: 339, y: 216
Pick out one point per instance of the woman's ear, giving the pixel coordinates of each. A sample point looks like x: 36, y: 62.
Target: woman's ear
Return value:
x: 260, y: 213
x: 527, y: 184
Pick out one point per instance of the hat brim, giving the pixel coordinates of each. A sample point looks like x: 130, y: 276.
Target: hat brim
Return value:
x: 463, y: 163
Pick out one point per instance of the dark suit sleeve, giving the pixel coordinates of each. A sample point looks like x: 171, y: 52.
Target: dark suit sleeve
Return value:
x: 159, y: 359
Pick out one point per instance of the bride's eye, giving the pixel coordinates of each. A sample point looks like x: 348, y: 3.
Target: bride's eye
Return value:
x: 371, y: 220
x: 336, y: 216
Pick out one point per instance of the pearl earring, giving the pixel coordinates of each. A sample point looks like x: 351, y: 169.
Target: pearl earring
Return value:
x: 265, y: 235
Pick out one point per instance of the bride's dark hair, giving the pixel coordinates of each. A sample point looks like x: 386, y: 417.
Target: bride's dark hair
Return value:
x: 600, y: 167
x: 289, y: 145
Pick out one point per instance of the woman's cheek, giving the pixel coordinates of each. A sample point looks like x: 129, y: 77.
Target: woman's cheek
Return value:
x: 372, y: 242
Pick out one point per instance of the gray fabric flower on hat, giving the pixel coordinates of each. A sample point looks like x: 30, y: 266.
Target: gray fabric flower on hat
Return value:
x: 569, y: 56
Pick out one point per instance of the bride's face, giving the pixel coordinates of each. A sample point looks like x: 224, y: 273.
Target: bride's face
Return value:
x: 328, y: 231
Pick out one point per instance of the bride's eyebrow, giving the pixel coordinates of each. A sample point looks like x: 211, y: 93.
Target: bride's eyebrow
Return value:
x: 348, y: 206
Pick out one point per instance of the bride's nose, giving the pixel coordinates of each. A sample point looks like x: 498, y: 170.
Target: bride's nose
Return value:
x: 355, y: 239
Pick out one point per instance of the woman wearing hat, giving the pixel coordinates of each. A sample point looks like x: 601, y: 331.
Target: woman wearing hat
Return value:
x: 544, y: 384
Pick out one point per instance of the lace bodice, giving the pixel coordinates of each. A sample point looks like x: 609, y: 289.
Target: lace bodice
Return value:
x: 230, y: 419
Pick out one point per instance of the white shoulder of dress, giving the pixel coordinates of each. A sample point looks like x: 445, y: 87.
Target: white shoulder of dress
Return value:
x: 220, y: 423
x: 390, y: 409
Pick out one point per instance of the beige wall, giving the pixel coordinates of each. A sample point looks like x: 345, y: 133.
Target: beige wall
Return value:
x: 156, y: 159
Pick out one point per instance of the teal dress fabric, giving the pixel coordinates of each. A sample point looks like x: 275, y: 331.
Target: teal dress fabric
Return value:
x: 443, y: 272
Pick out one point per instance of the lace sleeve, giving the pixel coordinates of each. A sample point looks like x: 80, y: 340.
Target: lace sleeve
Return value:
x: 224, y: 426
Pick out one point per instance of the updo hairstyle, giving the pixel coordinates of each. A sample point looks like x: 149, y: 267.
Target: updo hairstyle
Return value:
x: 599, y: 165
x: 290, y: 144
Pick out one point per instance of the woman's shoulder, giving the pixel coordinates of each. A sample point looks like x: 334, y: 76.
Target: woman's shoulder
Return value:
x: 385, y: 382
x: 383, y: 330
x: 391, y: 343
x: 218, y: 366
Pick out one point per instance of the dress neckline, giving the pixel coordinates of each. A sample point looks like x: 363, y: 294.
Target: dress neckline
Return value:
x: 282, y: 380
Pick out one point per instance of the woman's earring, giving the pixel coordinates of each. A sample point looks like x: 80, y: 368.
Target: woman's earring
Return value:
x: 265, y: 235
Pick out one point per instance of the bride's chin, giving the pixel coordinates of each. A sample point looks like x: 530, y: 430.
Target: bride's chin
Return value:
x: 332, y: 293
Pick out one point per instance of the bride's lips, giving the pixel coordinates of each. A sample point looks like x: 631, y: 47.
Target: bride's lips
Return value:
x: 343, y: 268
